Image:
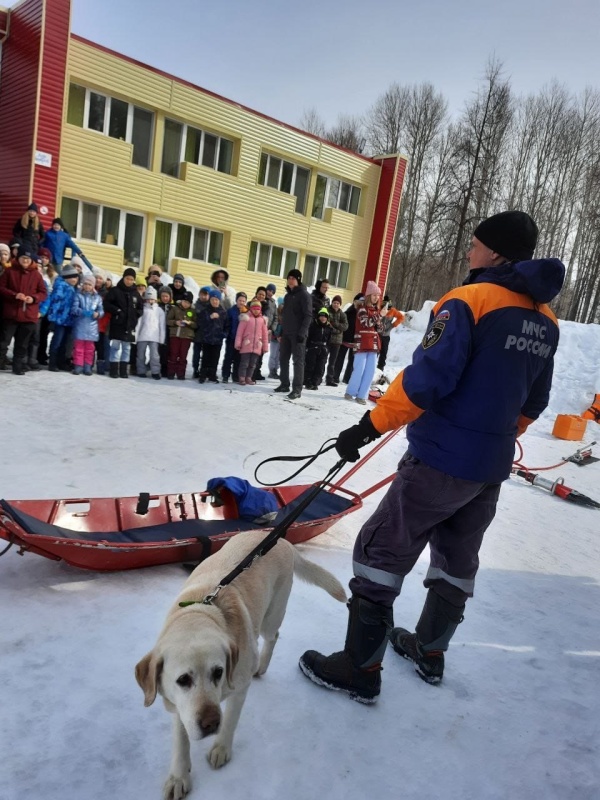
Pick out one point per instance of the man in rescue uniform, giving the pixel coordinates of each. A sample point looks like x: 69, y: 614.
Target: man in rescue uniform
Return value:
x: 481, y: 375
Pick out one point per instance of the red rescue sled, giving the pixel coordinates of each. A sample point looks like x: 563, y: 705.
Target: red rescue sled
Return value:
x: 130, y: 532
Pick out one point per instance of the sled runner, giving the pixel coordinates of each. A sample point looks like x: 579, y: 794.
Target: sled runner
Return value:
x: 130, y: 532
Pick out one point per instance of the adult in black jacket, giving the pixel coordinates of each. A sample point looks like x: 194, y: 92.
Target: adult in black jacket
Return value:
x: 296, y: 319
x: 319, y: 296
x: 29, y: 230
x: 348, y: 342
x: 125, y: 307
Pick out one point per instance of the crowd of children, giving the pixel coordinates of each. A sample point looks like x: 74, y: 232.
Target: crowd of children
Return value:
x: 141, y: 326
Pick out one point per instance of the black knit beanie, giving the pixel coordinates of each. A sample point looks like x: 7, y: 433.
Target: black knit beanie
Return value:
x: 512, y: 234
x: 295, y: 273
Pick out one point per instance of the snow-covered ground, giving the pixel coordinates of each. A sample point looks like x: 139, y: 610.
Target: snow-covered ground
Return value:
x: 515, y: 717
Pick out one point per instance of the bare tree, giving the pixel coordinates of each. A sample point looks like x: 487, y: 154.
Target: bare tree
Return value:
x: 348, y: 132
x: 312, y: 122
x: 385, y: 125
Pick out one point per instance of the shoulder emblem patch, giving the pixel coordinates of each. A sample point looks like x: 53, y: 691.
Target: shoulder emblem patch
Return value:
x: 433, y: 335
x: 443, y: 315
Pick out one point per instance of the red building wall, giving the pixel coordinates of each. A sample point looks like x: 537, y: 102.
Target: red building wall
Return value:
x: 32, y: 76
x: 384, y: 220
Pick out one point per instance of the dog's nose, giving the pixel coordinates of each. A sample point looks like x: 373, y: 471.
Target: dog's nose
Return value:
x: 208, y: 726
x: 209, y: 720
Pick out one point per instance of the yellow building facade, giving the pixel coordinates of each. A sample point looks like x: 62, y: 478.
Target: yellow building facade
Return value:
x: 152, y: 169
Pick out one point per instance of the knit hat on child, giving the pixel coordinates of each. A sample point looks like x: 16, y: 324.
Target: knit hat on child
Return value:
x: 88, y: 278
x: 215, y: 293
x: 150, y: 293
x: 372, y: 288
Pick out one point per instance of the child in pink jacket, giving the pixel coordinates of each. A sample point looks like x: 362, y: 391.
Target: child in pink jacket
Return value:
x: 251, y: 340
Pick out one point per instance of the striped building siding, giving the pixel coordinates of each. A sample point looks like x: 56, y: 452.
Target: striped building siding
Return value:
x: 390, y: 234
x: 54, y: 48
x: 98, y: 169
x: 234, y: 204
x: 18, y: 103
x: 384, y: 222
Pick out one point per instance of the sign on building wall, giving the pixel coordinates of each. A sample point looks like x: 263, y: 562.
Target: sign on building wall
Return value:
x: 43, y: 159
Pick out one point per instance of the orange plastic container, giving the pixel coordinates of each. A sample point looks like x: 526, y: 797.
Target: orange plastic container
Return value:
x: 569, y: 426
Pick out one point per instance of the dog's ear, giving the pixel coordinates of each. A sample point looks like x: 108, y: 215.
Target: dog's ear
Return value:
x: 232, y: 659
x: 147, y: 673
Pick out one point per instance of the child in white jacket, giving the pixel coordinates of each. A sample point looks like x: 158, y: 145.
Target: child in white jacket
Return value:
x: 150, y: 332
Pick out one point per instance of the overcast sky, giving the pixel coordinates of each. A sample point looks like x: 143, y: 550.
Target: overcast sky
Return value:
x: 337, y: 56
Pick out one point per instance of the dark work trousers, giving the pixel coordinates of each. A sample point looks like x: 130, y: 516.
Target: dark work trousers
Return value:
x: 339, y: 363
x: 196, y: 356
x: 424, y: 506
x: 290, y: 347
x: 210, y: 361
x: 333, y: 354
x: 385, y: 343
x: 34, y: 343
x: 316, y: 359
x: 178, y: 351
x: 59, y: 345
x: 163, y: 351
x: 22, y: 331
x: 42, y: 354
x: 231, y: 362
x: 258, y: 368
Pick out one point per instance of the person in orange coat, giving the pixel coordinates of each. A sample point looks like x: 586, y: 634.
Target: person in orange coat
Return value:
x: 390, y: 319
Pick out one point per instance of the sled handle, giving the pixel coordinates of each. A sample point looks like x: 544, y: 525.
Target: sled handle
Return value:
x: 364, y: 460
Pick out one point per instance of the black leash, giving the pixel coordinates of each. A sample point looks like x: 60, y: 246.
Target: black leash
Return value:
x: 278, y: 532
x: 325, y: 447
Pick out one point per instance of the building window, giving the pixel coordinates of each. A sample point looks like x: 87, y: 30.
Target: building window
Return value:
x: 286, y: 177
x: 115, y: 118
x: 333, y: 270
x: 333, y: 193
x: 186, y: 143
x: 177, y: 240
x: 271, y: 259
x: 105, y: 225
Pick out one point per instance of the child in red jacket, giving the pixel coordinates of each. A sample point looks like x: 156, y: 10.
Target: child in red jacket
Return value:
x: 22, y: 289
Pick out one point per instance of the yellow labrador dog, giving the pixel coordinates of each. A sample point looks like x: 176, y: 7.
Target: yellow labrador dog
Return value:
x: 207, y: 653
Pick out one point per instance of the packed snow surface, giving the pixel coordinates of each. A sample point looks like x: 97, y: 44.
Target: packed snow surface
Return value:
x: 515, y: 717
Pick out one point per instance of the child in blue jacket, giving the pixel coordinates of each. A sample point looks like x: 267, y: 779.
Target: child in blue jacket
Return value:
x: 87, y: 310
x: 60, y: 316
x: 56, y: 240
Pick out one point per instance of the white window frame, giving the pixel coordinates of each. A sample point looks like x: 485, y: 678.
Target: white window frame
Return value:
x: 199, y: 163
x: 107, y: 108
x: 120, y: 243
x: 284, y: 269
x: 278, y: 188
x: 319, y: 273
x: 173, y: 243
x: 328, y: 204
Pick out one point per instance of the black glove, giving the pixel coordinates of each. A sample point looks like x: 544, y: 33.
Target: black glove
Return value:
x: 300, y: 339
x: 351, y: 439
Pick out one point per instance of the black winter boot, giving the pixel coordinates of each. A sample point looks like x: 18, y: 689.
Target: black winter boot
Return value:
x: 425, y: 648
x: 123, y: 369
x: 53, y: 362
x: 356, y: 669
x: 114, y: 369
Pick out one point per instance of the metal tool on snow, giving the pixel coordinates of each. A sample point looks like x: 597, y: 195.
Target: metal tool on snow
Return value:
x: 583, y: 456
x: 556, y: 487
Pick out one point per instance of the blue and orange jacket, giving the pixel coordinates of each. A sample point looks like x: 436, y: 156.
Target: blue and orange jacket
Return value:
x: 482, y: 372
